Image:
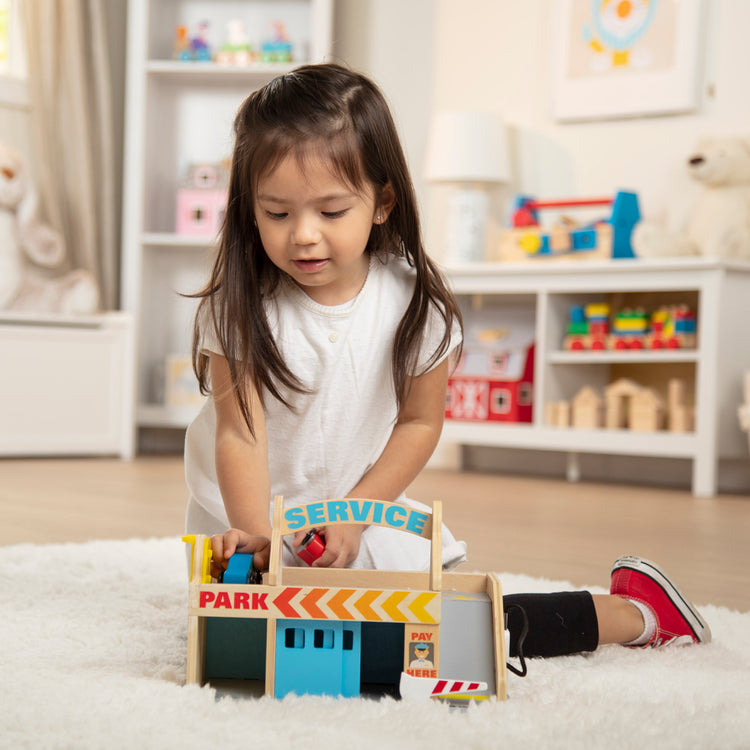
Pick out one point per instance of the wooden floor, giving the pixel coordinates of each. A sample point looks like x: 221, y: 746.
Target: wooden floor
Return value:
x: 519, y: 525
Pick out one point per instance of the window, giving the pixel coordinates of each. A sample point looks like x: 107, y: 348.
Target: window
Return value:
x: 13, y: 91
x: 323, y: 638
x: 294, y: 638
x: 501, y: 401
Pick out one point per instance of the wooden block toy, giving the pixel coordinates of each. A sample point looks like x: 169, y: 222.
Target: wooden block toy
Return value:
x: 631, y: 406
x: 588, y: 327
x: 557, y: 414
x: 680, y: 415
x: 326, y: 631
x: 646, y: 411
x: 587, y: 409
x: 606, y: 238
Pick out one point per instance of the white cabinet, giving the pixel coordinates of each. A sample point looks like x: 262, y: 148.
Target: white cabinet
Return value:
x: 181, y: 113
x: 66, y: 385
x: 713, y: 370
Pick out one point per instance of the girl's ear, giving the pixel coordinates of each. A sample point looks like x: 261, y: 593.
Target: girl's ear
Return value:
x: 385, y: 204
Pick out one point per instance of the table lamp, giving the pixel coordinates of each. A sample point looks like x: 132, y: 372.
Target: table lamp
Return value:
x: 467, y: 149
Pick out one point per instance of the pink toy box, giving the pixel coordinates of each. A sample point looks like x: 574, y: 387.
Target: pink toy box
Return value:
x: 202, y: 200
x: 494, y: 380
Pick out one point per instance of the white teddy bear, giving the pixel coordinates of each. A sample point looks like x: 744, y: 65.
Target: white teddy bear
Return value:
x: 28, y: 246
x: 719, y: 223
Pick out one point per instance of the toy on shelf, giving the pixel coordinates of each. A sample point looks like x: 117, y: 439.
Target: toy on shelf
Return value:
x: 181, y: 49
x: 602, y: 239
x: 717, y: 224
x: 202, y: 200
x: 588, y: 327
x: 199, y: 43
x: 334, y: 631
x: 237, y: 49
x: 672, y: 327
x: 195, y: 48
x: 625, y: 405
x: 629, y: 329
x: 278, y: 49
x: 669, y: 327
x: 631, y: 406
x: 680, y: 415
x: 587, y: 411
x: 494, y: 380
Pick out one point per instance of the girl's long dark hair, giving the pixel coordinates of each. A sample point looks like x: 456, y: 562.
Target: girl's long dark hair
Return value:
x: 342, y: 115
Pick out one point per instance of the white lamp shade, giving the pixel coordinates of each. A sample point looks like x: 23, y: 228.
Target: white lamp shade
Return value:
x: 467, y: 146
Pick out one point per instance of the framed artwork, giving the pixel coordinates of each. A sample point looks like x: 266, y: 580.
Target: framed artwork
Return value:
x: 625, y: 58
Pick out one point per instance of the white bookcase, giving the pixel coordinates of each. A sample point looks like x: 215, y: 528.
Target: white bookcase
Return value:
x: 181, y: 113
x: 714, y: 369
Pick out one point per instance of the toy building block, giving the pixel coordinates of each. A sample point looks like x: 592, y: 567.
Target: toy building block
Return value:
x: 617, y: 397
x: 672, y: 327
x: 588, y: 327
x: 330, y: 631
x: 646, y: 411
x: 631, y: 406
x: 680, y: 416
x: 557, y: 414
x: 629, y: 329
x: 587, y: 409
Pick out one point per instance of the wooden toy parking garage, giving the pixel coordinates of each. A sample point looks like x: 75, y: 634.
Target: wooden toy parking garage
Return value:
x: 326, y: 631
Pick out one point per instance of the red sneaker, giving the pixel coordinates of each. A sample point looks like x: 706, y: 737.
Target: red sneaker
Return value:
x: 677, y: 620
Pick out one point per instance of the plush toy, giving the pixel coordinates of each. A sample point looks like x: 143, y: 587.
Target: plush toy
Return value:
x: 29, y: 250
x: 719, y: 223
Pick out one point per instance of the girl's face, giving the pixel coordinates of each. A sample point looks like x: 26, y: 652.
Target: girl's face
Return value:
x: 315, y: 228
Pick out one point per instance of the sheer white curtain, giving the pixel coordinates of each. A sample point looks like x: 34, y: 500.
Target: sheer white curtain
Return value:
x: 72, y: 131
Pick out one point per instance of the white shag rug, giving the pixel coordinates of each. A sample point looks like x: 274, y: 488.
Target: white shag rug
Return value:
x: 92, y: 649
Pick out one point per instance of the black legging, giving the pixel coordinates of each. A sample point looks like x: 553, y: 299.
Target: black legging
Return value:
x: 559, y: 624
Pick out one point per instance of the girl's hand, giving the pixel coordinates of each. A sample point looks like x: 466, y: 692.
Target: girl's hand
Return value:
x: 225, y: 545
x: 342, y: 545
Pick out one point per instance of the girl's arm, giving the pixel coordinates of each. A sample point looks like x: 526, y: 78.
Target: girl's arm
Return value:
x: 241, y: 459
x: 411, y: 444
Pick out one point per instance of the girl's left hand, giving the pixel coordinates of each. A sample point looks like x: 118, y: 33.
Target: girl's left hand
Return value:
x: 342, y: 545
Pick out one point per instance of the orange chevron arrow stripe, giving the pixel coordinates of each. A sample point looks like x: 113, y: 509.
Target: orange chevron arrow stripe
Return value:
x: 281, y: 602
x: 309, y: 604
x: 419, y: 604
x: 336, y: 604
x: 364, y: 602
x: 390, y: 606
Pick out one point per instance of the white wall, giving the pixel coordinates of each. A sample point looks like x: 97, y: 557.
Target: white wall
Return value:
x: 392, y: 42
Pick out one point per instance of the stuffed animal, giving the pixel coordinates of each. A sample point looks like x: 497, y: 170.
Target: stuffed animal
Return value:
x: 719, y: 223
x: 29, y: 249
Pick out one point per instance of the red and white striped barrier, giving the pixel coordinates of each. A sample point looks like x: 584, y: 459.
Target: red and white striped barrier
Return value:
x: 424, y: 688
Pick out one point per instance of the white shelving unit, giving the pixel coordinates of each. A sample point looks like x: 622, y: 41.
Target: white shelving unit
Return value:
x: 717, y: 289
x: 181, y: 113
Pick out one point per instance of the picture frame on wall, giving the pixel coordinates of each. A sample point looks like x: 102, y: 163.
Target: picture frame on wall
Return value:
x: 614, y: 59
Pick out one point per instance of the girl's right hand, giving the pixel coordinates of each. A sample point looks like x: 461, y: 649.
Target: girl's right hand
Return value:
x: 223, y: 546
